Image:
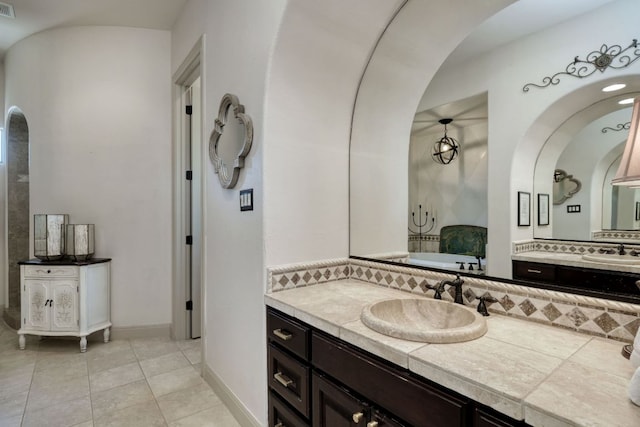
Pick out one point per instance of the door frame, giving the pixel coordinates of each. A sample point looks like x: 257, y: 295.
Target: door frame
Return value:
x: 191, y: 68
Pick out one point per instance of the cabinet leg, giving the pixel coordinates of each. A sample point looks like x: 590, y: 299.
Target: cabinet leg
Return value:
x: 22, y: 342
x: 107, y: 334
x: 83, y: 344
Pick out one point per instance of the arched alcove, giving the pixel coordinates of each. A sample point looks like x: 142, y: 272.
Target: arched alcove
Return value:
x: 17, y: 213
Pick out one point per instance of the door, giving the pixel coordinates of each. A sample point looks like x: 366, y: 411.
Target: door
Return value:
x: 64, y: 305
x: 35, y: 305
x: 334, y: 407
x: 193, y: 205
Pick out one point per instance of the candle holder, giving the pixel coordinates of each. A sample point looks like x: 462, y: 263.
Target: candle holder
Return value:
x: 80, y: 241
x: 49, y: 236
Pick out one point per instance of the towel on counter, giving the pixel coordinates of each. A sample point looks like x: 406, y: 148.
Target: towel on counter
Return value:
x: 634, y: 388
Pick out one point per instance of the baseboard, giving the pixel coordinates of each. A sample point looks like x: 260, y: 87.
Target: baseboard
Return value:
x: 237, y: 409
x: 147, y: 331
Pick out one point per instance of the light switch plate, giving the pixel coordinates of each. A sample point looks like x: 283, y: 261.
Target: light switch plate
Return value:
x: 246, y: 200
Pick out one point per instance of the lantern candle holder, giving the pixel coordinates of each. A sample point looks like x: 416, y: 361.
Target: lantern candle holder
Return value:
x: 80, y: 241
x: 49, y: 236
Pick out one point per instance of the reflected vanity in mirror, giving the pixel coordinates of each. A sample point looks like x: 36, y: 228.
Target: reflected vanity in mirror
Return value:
x: 565, y: 122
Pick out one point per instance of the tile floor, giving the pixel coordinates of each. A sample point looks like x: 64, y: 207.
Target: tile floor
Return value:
x: 137, y: 383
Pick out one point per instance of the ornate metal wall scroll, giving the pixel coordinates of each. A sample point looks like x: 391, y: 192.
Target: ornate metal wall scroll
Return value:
x: 614, y: 57
x: 229, y: 178
x: 618, y: 128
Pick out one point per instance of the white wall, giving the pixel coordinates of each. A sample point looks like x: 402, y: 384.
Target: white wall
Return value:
x: 235, y: 61
x: 3, y: 267
x: 97, y: 100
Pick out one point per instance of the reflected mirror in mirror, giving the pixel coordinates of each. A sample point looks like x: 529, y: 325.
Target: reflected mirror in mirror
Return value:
x: 492, y: 64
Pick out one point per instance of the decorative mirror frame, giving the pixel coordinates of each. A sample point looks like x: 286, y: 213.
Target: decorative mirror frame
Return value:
x: 229, y: 179
x: 560, y: 176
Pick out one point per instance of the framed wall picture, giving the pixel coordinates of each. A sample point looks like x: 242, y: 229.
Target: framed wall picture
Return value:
x: 543, y: 209
x: 524, y: 209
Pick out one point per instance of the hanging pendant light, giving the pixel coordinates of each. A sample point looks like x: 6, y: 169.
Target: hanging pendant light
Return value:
x: 629, y: 170
x: 446, y: 149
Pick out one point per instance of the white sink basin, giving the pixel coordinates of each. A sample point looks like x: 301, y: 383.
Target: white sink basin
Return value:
x: 424, y: 320
x: 612, y: 259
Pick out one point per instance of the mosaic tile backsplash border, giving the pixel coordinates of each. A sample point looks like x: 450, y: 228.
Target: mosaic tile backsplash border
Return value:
x: 566, y: 246
x: 593, y: 316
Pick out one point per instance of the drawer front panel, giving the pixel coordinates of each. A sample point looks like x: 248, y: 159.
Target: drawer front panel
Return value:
x: 289, y: 334
x: 398, y: 392
x: 281, y: 415
x: 50, y: 271
x: 289, y: 378
x: 533, y: 271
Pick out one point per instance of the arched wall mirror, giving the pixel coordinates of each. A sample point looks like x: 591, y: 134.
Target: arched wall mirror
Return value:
x: 506, y: 135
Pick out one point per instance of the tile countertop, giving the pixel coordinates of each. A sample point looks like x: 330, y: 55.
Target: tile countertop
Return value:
x: 544, y: 375
x: 572, y: 260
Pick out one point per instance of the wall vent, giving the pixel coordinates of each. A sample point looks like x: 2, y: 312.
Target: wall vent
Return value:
x: 7, y: 11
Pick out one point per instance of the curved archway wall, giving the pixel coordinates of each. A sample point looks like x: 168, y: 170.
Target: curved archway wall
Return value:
x: 98, y: 100
x: 17, y: 209
x: 519, y: 122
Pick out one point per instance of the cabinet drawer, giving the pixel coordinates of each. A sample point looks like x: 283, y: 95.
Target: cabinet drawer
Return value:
x: 288, y: 333
x: 281, y: 415
x: 395, y: 390
x: 534, y: 271
x: 289, y: 378
x: 50, y: 271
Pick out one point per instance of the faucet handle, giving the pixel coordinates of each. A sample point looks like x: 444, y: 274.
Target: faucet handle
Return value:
x: 482, y: 307
x: 461, y: 264
x: 437, y: 289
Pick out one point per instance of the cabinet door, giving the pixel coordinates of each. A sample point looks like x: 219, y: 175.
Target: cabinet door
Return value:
x: 486, y: 419
x: 334, y: 407
x: 64, y: 308
x: 35, y: 296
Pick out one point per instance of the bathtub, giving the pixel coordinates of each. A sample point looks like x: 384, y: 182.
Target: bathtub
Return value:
x: 444, y: 261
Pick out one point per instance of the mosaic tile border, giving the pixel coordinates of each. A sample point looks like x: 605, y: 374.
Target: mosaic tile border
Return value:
x: 615, y: 234
x: 565, y: 246
x: 424, y: 237
x: 588, y: 315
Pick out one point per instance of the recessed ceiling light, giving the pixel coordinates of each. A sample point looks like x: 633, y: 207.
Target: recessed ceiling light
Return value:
x: 626, y: 101
x: 613, y: 87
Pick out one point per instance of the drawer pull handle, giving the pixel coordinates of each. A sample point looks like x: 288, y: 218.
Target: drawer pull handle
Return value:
x: 372, y: 424
x: 529, y: 270
x: 283, y: 379
x: 283, y: 335
x: 357, y: 417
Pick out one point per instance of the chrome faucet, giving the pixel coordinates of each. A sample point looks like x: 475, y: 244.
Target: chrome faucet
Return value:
x: 457, y: 286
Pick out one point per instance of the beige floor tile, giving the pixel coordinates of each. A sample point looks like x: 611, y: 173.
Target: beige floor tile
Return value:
x: 69, y: 413
x: 189, y: 344
x: 141, y: 415
x: 188, y: 401
x: 193, y: 354
x: 218, y: 416
x: 162, y: 364
x: 14, y: 405
x: 102, y: 347
x: 115, y: 377
x: 85, y: 424
x: 15, y: 382
x: 121, y: 397
x: 55, y: 368
x: 153, y: 347
x: 14, y: 421
x: 58, y: 391
x: 173, y: 381
x: 102, y: 361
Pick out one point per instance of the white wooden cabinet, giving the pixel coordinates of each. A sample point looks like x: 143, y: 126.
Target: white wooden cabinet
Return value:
x: 65, y: 298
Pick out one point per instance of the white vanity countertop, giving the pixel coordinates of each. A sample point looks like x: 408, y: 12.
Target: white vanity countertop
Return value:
x: 545, y: 375
x: 572, y: 260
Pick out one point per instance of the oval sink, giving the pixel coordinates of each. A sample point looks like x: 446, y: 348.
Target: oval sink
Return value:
x: 424, y: 320
x: 612, y: 259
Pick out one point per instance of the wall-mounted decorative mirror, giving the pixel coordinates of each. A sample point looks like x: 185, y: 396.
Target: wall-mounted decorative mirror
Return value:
x: 494, y: 63
x: 564, y: 186
x: 230, y: 140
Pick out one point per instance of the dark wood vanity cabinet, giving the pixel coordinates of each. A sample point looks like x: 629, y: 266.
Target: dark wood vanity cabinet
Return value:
x: 589, y: 281
x: 335, y: 384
